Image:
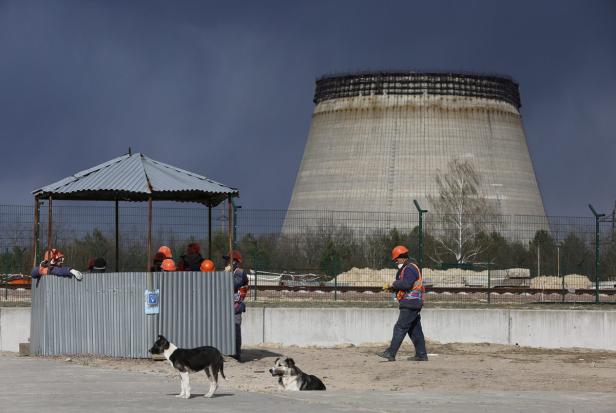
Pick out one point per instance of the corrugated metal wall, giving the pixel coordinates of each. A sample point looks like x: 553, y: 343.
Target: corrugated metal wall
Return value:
x: 104, y: 313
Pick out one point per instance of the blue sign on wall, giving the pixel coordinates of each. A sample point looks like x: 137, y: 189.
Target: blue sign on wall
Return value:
x: 152, y: 302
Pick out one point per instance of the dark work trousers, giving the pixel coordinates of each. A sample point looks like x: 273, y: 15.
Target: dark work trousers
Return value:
x: 409, y: 322
x: 238, y: 334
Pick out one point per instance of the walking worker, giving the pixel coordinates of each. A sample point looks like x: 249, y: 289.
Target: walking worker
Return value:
x: 240, y: 289
x: 409, y: 291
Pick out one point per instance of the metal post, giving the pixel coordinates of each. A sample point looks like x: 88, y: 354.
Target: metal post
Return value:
x: 597, y: 218
x: 336, y: 288
x: 538, y: 260
x: 558, y: 260
x: 229, y: 207
x: 209, y: 231
x: 254, y: 264
x: 36, y: 231
x: 49, y: 223
x: 150, y: 278
x: 597, y: 260
x: 420, y: 235
x: 117, y: 238
x: 614, y: 221
x: 489, y: 285
x: 558, y: 271
x: 235, y: 208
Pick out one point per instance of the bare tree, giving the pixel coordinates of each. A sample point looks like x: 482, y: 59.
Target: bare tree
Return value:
x: 460, y: 213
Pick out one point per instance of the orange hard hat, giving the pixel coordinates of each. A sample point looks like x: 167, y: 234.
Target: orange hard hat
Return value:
x: 207, y: 266
x: 397, y: 251
x: 165, y: 250
x: 53, y: 255
x: 235, y: 255
x: 168, y: 265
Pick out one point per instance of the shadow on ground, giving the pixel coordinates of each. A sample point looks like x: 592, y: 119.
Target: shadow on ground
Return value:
x: 258, y: 354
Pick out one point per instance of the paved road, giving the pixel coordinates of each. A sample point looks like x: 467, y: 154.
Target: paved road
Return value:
x: 35, y: 385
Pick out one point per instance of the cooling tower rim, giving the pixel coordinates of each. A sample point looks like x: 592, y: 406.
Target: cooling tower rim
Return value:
x: 469, y: 84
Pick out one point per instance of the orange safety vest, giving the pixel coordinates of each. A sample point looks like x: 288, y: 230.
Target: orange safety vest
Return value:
x: 418, y: 290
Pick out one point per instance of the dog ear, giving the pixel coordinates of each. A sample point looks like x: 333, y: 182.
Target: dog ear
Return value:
x: 291, y: 362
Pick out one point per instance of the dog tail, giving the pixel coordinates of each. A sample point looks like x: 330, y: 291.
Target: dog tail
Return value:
x: 222, y: 372
x: 222, y: 365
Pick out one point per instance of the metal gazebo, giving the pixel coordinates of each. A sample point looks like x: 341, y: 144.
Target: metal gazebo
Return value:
x: 134, y: 177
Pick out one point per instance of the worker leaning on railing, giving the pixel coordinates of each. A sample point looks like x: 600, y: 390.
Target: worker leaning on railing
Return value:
x: 53, y: 264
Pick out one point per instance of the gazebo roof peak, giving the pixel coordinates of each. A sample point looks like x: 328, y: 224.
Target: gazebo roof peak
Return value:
x: 136, y: 177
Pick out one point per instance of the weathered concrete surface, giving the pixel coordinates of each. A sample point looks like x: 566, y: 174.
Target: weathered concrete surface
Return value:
x: 553, y: 329
x: 376, y: 153
x: 334, y: 326
x: 595, y: 329
x: 14, y: 327
x: 35, y: 385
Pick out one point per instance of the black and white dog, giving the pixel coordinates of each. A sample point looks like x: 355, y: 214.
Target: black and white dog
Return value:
x: 290, y: 377
x: 192, y: 360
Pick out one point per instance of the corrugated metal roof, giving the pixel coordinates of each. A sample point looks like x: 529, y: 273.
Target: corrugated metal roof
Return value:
x: 136, y: 177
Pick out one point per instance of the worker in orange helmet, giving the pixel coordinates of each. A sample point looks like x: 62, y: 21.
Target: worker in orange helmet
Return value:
x: 53, y: 264
x: 409, y: 292
x: 168, y: 265
x: 166, y: 251
x: 207, y: 266
x: 240, y: 290
x: 191, y: 260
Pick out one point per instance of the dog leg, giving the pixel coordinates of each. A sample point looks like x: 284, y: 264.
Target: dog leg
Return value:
x: 187, y: 386
x: 181, y: 386
x: 213, y: 380
x: 185, y: 394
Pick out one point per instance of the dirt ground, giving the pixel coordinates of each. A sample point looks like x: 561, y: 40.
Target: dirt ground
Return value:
x: 453, y: 367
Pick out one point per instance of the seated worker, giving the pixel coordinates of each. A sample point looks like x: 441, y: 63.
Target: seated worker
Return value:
x: 207, y: 266
x: 191, y: 261
x: 168, y: 265
x: 157, y: 262
x: 97, y: 265
x: 53, y: 264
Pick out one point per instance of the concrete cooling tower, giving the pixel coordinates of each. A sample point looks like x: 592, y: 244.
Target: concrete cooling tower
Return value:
x: 378, y: 140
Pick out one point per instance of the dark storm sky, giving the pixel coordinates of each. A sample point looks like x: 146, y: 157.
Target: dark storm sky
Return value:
x: 190, y: 83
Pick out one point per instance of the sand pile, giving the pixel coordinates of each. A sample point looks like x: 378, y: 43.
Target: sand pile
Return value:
x: 366, y: 277
x: 453, y: 278
x: 572, y: 281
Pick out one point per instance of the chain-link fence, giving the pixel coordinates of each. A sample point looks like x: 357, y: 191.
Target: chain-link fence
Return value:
x: 339, y: 256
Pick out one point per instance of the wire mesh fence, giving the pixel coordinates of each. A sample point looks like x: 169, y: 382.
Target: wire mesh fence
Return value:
x: 336, y: 256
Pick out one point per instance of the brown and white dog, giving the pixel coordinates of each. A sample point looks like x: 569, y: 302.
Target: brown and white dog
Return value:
x: 290, y: 377
x: 192, y: 360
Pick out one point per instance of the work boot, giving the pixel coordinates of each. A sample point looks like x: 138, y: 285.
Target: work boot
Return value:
x: 386, y: 355
x: 418, y: 358
x: 77, y: 274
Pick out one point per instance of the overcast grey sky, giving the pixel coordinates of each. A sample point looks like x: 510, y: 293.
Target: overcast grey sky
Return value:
x: 190, y: 82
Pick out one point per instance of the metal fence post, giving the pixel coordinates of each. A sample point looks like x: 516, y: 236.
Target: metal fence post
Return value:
x: 420, y: 235
x: 254, y: 261
x: 489, y: 285
x: 336, y: 288
x: 597, y: 218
